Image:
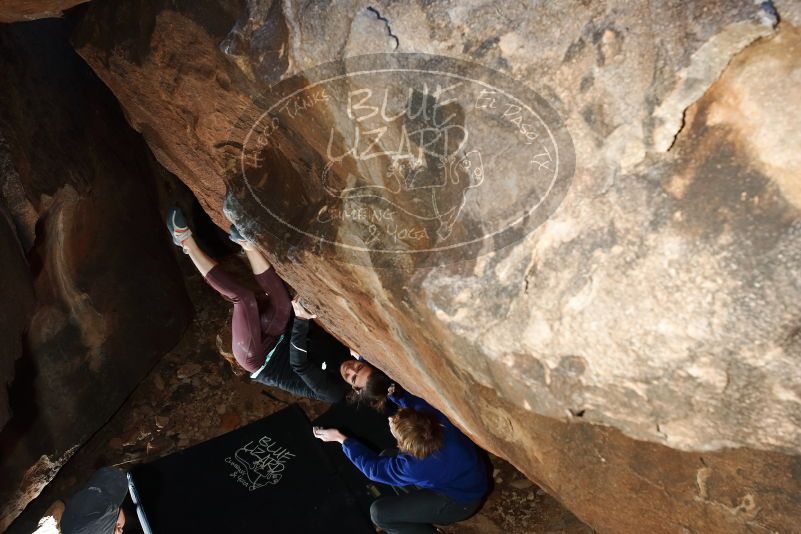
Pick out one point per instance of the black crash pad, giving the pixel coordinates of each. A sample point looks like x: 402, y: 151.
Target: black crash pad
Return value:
x: 271, y: 476
x: 372, y: 429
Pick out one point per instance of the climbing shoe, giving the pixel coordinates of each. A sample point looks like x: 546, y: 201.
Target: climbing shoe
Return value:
x: 176, y: 224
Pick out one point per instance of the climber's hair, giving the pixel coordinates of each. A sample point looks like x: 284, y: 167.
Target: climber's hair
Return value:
x: 374, y: 392
x: 419, y: 432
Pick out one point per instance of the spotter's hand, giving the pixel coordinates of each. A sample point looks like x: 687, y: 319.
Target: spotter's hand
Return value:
x: 328, y: 434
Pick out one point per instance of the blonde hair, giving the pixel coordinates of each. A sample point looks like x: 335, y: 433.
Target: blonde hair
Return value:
x: 419, y: 432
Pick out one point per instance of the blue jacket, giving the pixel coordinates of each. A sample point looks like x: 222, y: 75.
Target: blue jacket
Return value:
x: 455, y: 470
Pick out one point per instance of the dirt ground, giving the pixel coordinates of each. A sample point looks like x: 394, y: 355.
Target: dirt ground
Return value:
x: 192, y: 395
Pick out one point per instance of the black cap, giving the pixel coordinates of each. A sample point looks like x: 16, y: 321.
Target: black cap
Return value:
x: 94, y: 509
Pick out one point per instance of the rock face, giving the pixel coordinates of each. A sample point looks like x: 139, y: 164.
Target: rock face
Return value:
x: 17, y: 294
x: 644, y: 338
x: 91, y: 293
x: 22, y: 10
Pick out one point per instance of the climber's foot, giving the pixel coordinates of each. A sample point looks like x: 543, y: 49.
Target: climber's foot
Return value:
x: 176, y: 224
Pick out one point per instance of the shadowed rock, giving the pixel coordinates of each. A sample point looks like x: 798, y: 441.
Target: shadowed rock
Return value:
x: 91, y: 294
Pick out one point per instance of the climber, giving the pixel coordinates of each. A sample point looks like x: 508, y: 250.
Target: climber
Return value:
x: 97, y: 508
x: 367, y: 383
x: 267, y: 341
x: 449, y: 480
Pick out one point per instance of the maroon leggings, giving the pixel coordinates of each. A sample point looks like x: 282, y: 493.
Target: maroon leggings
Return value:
x: 258, y: 320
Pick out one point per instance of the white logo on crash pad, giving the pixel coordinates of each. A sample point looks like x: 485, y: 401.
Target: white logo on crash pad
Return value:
x: 259, y: 463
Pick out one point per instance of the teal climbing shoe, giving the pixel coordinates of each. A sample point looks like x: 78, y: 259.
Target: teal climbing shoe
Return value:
x: 176, y: 224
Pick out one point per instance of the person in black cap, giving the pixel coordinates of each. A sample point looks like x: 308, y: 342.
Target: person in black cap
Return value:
x: 96, y: 509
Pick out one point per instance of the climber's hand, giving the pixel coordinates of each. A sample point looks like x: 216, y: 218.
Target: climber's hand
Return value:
x: 301, y: 312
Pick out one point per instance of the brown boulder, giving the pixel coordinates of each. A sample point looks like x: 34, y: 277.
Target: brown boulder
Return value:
x: 22, y: 10
x: 620, y: 352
